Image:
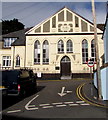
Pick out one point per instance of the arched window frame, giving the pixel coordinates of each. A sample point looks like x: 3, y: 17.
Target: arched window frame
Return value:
x: 60, y: 46
x: 69, y: 46
x: 37, y: 52
x: 84, y: 51
x: 17, y: 61
x: 45, y: 52
x: 93, y: 50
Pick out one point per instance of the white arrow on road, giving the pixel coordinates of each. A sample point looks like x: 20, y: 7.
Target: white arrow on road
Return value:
x: 64, y: 92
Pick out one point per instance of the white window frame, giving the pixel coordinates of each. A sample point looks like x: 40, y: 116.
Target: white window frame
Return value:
x: 69, y: 46
x: 17, y: 61
x: 84, y: 51
x: 45, y: 52
x: 8, y: 42
x: 37, y: 52
x: 6, y: 61
x: 60, y: 46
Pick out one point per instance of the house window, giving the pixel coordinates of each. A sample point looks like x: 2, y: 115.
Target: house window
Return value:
x: 8, y: 42
x: 69, y: 46
x: 6, y: 61
x: 60, y: 46
x: 93, y: 51
x: 84, y: 51
x: 37, y: 52
x: 18, y: 61
x: 45, y: 52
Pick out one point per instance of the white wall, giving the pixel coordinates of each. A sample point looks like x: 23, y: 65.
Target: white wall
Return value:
x: 104, y: 82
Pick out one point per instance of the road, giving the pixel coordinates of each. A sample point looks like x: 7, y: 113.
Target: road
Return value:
x: 56, y: 99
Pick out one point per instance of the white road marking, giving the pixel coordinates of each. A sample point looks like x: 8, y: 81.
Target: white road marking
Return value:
x: 85, y: 104
x: 61, y: 105
x: 28, y: 104
x: 73, y: 104
x: 68, y: 102
x: 47, y: 107
x: 35, y: 108
x: 79, y: 101
x: 31, y: 105
x: 57, y: 103
x: 13, y: 111
x: 43, y: 104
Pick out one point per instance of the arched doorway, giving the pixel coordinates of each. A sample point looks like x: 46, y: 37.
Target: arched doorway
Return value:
x: 65, y: 68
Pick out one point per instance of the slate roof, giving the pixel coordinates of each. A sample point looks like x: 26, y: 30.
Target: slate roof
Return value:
x: 20, y: 35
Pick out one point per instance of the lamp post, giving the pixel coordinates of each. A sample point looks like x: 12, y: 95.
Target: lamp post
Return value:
x: 97, y: 52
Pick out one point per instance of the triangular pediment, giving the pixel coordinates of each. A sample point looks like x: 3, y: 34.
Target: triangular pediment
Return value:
x: 64, y: 21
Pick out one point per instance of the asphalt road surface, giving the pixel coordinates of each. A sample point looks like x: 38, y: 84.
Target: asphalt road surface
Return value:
x: 56, y: 99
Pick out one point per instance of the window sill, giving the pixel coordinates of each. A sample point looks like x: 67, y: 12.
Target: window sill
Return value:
x: 45, y: 63
x: 36, y: 63
x: 60, y: 52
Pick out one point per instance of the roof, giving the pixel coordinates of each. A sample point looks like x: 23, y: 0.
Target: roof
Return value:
x: 20, y: 35
x: 106, y: 22
x: 38, y: 25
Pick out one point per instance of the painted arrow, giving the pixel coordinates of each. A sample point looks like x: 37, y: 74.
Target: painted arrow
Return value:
x: 63, y: 93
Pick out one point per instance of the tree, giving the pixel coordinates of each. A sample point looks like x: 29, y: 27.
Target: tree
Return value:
x: 11, y: 26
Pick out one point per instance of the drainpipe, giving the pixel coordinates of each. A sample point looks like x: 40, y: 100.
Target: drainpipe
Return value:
x: 13, y: 56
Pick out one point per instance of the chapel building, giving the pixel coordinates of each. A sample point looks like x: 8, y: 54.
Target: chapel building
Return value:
x: 58, y: 47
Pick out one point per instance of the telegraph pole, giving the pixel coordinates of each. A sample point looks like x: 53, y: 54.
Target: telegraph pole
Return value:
x: 97, y: 52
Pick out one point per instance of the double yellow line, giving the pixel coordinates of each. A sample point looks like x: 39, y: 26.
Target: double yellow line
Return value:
x: 86, y: 99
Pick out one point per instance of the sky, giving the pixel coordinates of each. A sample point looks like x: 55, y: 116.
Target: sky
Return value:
x: 32, y: 13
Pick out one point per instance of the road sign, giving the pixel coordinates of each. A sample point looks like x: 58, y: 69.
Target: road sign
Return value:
x: 90, y: 63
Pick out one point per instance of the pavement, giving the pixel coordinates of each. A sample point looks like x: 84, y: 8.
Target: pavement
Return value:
x: 90, y: 94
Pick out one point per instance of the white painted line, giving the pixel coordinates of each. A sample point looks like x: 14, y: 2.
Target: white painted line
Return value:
x: 36, y: 108
x: 73, y: 104
x: 57, y: 103
x: 80, y: 101
x: 43, y: 104
x: 31, y: 105
x: 68, y: 102
x: 28, y: 104
x: 85, y: 104
x: 61, y: 105
x: 47, y: 107
x: 13, y: 111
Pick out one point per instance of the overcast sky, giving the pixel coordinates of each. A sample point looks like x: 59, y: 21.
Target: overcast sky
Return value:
x: 32, y: 13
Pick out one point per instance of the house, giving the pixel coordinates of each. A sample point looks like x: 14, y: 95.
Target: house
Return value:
x: 104, y: 67
x: 58, y: 47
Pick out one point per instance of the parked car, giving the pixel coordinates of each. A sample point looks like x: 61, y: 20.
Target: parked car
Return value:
x: 19, y: 82
x: 3, y: 89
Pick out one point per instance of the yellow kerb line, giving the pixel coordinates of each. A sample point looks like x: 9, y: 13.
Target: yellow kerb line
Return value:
x: 78, y: 91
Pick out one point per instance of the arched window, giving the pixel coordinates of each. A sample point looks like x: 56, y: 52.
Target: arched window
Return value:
x: 69, y: 46
x: 93, y: 51
x: 18, y: 60
x: 84, y: 51
x: 60, y: 46
x: 45, y: 52
x: 37, y: 52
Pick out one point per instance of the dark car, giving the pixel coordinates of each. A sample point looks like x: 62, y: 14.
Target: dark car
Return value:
x: 19, y: 82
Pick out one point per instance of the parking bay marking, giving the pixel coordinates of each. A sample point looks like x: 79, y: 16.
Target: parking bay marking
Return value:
x: 44, y: 104
x: 27, y: 105
x: 13, y: 111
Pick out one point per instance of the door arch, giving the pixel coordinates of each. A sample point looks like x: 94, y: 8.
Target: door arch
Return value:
x: 65, y: 66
